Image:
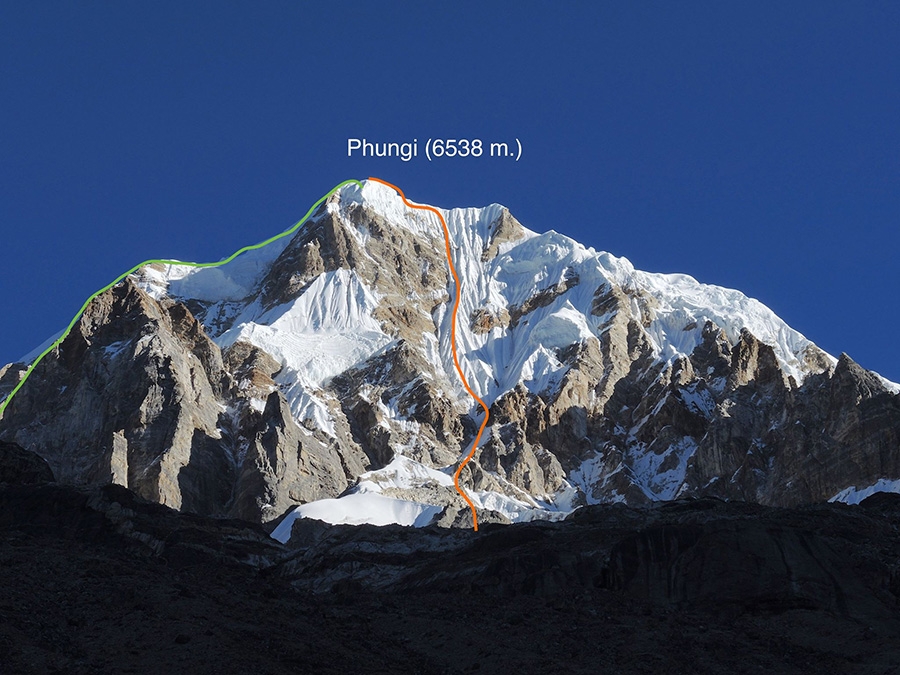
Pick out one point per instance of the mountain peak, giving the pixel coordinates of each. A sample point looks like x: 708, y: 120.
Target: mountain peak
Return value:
x: 321, y: 364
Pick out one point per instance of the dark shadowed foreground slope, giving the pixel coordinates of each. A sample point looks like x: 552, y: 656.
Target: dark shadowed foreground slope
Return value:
x: 96, y: 580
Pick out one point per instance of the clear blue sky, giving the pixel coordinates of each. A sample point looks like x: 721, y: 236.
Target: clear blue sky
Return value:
x: 753, y: 145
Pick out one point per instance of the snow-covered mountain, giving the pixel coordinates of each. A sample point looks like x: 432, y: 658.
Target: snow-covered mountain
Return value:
x: 315, y: 377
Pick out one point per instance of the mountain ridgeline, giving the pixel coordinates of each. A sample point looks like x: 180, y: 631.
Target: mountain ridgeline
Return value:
x: 320, y: 367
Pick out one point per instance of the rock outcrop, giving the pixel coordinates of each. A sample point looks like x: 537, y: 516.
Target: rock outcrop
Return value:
x: 21, y: 467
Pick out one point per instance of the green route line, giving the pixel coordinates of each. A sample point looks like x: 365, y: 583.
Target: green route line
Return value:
x: 134, y: 269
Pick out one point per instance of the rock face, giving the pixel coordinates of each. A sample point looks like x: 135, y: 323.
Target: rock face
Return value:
x: 302, y: 371
x: 130, y: 396
x: 138, y: 395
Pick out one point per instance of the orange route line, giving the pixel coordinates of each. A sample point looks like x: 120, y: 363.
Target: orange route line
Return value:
x: 452, y: 344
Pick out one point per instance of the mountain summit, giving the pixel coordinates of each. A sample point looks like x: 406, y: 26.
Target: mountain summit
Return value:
x: 314, y: 377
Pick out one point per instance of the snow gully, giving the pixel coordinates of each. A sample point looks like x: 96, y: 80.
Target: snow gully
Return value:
x: 405, y: 151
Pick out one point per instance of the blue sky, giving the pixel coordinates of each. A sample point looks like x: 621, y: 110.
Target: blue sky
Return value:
x: 751, y: 145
